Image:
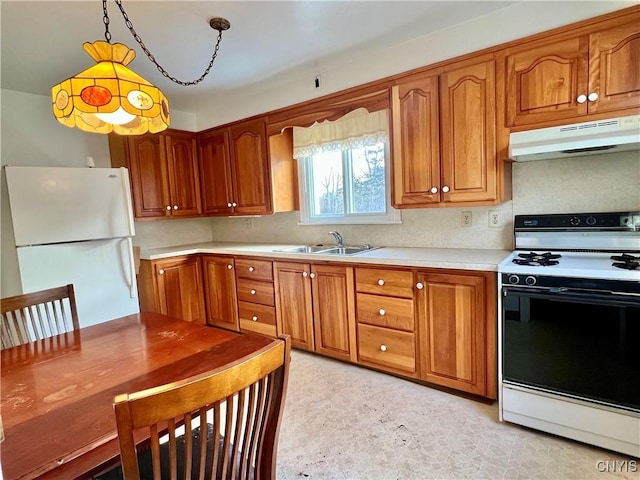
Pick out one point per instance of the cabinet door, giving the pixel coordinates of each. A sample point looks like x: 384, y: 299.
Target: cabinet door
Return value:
x: 416, y: 142
x: 148, y: 169
x: 250, y: 168
x: 179, y: 284
x: 215, y: 173
x: 468, y: 130
x: 451, y: 330
x: 294, y: 311
x: 184, y: 180
x: 614, y: 68
x: 220, y: 292
x: 334, y: 311
x: 543, y: 83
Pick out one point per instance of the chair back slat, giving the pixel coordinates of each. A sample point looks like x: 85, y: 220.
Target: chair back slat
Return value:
x: 39, y: 315
x: 210, y: 426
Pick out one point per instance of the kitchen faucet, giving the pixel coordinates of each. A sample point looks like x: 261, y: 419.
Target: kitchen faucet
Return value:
x: 338, y: 237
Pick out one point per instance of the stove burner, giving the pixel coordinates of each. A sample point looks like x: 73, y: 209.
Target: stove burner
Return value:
x: 626, y: 262
x: 534, y: 259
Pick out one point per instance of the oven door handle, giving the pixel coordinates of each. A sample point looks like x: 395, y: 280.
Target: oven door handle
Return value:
x: 577, y: 296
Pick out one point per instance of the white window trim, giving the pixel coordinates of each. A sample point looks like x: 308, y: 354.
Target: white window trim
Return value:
x: 393, y: 216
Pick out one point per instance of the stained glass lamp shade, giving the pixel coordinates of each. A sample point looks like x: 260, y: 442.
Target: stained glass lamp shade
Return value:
x: 109, y: 97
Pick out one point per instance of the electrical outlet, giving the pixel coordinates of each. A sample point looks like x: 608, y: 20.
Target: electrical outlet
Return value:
x: 466, y: 218
x: 248, y: 222
x: 495, y: 218
x: 317, y: 82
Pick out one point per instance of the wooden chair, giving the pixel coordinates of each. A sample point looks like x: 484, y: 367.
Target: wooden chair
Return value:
x: 38, y: 315
x: 243, y: 400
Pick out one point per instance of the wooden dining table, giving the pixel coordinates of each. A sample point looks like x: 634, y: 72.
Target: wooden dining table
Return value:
x: 57, y: 394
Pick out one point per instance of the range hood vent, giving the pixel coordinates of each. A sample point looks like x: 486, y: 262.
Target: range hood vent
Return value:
x: 588, y: 138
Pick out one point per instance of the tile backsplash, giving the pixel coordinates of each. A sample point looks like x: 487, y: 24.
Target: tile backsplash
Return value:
x: 597, y: 183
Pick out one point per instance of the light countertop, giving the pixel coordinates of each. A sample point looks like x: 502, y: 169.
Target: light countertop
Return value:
x: 455, y: 258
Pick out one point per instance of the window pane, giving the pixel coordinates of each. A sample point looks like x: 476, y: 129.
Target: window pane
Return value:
x: 368, y: 179
x: 326, y: 181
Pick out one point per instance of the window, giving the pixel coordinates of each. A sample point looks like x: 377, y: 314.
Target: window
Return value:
x: 344, y: 170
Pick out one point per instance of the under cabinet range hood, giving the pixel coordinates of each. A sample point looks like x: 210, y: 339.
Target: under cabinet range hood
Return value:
x: 588, y: 138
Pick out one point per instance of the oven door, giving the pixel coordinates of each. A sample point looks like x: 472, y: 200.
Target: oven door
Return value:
x: 574, y: 343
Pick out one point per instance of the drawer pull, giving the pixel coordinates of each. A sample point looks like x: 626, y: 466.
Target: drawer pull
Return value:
x: 312, y: 275
x: 381, y: 282
x: 229, y: 204
x: 383, y: 348
x: 168, y: 207
x: 581, y: 98
x: 419, y: 285
x: 382, y: 312
x: 445, y: 189
x: 253, y: 292
x: 230, y: 266
x: 592, y: 97
x: 305, y: 274
x: 251, y: 269
x: 434, y: 189
x: 254, y: 318
x: 161, y: 272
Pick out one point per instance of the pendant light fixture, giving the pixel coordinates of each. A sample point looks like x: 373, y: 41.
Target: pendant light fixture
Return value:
x: 110, y: 97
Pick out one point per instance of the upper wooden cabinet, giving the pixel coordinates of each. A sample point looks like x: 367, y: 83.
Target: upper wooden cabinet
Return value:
x: 444, y: 137
x: 235, y: 170
x: 588, y: 74
x: 163, y: 170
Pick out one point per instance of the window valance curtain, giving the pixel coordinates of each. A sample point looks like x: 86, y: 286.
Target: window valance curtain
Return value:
x: 355, y: 130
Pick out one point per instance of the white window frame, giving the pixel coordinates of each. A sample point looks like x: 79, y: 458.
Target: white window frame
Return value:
x: 392, y: 215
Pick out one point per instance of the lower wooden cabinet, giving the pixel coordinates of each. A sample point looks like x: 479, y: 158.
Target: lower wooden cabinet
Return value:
x: 456, y: 330
x: 172, y: 286
x: 220, y: 291
x: 315, y: 305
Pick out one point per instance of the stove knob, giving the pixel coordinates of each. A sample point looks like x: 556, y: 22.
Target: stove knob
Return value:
x: 514, y: 279
x: 591, y: 220
x: 574, y: 221
x: 530, y: 280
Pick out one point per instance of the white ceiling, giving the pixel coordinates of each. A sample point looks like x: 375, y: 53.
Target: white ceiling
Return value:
x: 41, y: 41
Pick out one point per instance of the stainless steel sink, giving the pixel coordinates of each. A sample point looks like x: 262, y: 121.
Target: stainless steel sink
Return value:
x: 347, y: 250
x: 307, y: 249
x: 328, y: 249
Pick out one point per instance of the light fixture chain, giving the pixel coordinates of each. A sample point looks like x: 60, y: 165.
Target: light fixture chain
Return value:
x: 105, y: 20
x: 150, y: 55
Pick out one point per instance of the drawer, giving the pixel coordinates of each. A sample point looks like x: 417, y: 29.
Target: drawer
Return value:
x: 396, y: 283
x: 386, y: 348
x: 256, y: 292
x: 390, y: 312
x: 257, y: 318
x: 255, y: 269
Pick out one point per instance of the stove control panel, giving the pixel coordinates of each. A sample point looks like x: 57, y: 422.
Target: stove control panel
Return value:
x: 561, y: 284
x: 617, y: 221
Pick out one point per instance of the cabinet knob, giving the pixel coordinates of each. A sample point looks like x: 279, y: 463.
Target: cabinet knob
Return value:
x: 445, y: 189
x: 593, y: 97
x: 381, y: 282
x: 305, y: 274
x: 175, y: 207
x: 251, y: 269
x: 230, y: 267
x: 581, y: 98
x: 383, y: 348
x: 234, y: 204
x: 312, y: 275
x: 254, y: 318
x: 161, y: 272
x: 382, y: 312
x: 229, y: 204
x: 168, y: 207
x: 434, y: 189
x: 253, y: 292
x: 419, y: 285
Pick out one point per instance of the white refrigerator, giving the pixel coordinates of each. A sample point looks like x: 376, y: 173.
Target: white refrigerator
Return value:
x: 75, y: 225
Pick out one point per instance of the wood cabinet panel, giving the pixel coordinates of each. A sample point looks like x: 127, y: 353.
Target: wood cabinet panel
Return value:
x: 468, y: 133
x: 333, y: 315
x: 220, y: 288
x: 215, y: 172
x: 452, y: 333
x: 378, y: 281
x: 254, y: 269
x: 179, y: 290
x: 388, y: 349
x: 294, y: 310
x: 256, y: 292
x: 257, y: 318
x: 389, y: 312
x: 184, y: 179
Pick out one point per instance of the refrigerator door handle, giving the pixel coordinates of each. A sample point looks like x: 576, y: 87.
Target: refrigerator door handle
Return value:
x: 126, y: 188
x: 132, y: 268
